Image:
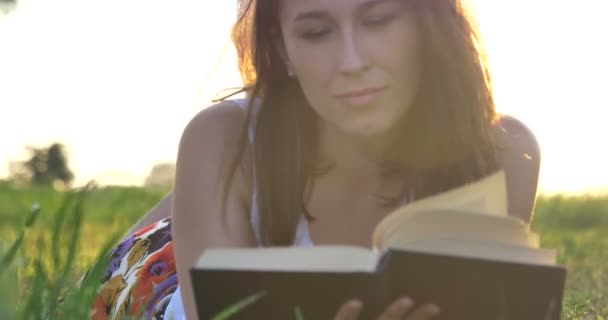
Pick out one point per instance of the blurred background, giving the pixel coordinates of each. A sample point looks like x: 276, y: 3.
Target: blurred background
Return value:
x: 115, y: 82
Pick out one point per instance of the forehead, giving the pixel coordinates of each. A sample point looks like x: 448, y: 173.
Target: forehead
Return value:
x: 291, y: 8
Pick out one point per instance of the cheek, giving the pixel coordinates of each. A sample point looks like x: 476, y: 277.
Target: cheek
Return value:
x: 411, y: 63
x: 314, y: 75
x: 398, y: 54
x: 407, y: 55
x: 314, y: 71
x: 403, y: 63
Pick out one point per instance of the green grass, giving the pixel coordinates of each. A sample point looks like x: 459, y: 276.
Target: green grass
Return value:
x: 49, y: 262
x: 48, y: 285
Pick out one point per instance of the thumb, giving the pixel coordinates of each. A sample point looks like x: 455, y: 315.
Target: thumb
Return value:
x: 350, y: 310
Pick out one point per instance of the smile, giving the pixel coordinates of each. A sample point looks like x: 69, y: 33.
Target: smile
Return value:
x: 361, y: 97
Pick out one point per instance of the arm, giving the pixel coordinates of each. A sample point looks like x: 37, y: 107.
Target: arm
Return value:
x: 520, y: 158
x: 160, y: 211
x: 208, y: 142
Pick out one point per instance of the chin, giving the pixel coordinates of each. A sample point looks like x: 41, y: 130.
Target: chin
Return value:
x: 375, y: 121
x: 370, y: 129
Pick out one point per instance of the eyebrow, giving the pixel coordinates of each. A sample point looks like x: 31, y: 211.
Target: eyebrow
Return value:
x: 318, y: 14
x: 372, y: 3
x: 315, y: 14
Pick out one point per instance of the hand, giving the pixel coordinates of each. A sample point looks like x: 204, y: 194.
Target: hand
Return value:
x: 398, y: 310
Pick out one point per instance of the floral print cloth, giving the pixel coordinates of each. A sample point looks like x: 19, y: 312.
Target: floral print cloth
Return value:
x: 141, y: 277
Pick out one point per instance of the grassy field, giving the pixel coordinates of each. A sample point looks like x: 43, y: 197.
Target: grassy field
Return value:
x: 576, y: 226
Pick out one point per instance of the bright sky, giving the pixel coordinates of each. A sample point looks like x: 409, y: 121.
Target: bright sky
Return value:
x: 130, y: 74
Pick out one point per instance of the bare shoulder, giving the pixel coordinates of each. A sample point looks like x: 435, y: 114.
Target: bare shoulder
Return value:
x: 214, y: 134
x: 518, y: 137
x: 520, y: 156
x: 209, y: 144
x: 225, y: 118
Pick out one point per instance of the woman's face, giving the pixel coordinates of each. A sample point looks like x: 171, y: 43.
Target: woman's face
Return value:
x: 357, y: 61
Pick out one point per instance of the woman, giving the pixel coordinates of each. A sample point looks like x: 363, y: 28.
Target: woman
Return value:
x: 356, y: 106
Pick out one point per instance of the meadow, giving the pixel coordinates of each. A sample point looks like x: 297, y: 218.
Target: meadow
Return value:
x: 68, y: 233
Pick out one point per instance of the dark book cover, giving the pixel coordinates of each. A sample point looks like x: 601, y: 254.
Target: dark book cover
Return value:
x: 470, y: 288
x: 315, y: 295
x: 464, y: 288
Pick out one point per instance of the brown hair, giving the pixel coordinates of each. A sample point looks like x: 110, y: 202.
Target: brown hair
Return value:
x: 446, y: 139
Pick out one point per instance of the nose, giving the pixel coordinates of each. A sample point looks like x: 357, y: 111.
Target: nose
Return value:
x: 353, y: 61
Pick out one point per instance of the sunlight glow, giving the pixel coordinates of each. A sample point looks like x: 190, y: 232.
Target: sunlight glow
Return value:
x: 117, y: 81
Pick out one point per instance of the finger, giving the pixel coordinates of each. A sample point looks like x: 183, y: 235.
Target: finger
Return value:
x: 397, y: 309
x: 350, y: 310
x: 427, y: 311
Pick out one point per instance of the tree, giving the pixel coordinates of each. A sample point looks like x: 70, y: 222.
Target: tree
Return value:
x: 161, y: 176
x: 7, y: 5
x: 45, y: 166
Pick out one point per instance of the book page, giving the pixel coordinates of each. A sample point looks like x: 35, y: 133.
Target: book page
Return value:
x: 306, y: 259
x: 487, y: 195
x: 484, y: 251
x: 439, y: 224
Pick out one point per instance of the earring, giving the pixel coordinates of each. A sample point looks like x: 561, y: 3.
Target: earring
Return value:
x: 290, y: 73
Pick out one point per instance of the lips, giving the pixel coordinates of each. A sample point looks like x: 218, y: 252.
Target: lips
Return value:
x: 361, y: 97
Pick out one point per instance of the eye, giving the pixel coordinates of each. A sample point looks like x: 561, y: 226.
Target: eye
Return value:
x: 315, y: 34
x: 378, y: 20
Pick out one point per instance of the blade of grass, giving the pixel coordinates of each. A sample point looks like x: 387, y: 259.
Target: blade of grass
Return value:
x: 81, y: 303
x: 34, y: 307
x: 75, y: 223
x: 9, y: 286
x: 9, y: 257
x: 237, y: 307
x: 59, y: 218
x: 299, y: 314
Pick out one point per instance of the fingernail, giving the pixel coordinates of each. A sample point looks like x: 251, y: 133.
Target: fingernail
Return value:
x: 435, y: 310
x: 405, y: 303
x: 356, y: 304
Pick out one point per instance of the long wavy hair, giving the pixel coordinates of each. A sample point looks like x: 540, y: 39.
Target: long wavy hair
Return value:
x: 446, y: 139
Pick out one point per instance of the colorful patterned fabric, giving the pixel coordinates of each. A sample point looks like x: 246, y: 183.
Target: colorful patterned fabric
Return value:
x: 141, y: 277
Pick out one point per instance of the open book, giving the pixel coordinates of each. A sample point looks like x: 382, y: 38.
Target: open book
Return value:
x: 459, y: 249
